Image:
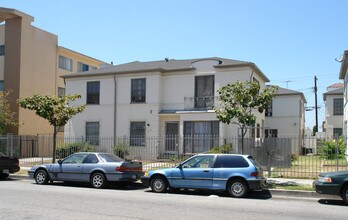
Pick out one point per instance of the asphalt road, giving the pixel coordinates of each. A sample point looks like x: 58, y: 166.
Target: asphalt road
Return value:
x: 23, y: 199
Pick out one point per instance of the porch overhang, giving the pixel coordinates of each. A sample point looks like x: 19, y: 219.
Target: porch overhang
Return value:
x: 176, y: 112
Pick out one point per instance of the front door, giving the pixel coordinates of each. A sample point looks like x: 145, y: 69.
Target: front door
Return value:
x: 172, y: 141
x: 194, y: 173
x: 71, y: 168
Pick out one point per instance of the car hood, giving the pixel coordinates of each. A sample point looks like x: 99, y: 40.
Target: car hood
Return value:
x: 336, y: 173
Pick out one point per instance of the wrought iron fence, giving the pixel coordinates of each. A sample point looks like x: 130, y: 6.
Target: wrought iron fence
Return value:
x: 290, y: 157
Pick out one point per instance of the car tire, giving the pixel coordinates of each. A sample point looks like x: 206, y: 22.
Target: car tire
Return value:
x: 98, y: 180
x: 3, y: 176
x: 41, y: 177
x: 159, y: 184
x: 237, y: 188
x: 344, y: 194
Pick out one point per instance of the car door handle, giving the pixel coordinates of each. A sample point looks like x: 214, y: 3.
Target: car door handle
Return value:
x: 206, y: 171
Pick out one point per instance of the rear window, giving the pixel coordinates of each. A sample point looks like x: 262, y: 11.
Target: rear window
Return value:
x: 230, y: 161
x: 110, y: 158
x: 253, y: 161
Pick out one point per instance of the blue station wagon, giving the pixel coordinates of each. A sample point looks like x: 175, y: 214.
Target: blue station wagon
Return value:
x: 237, y: 174
x: 96, y: 168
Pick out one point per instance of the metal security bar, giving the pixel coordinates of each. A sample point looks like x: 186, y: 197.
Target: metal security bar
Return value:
x: 288, y: 157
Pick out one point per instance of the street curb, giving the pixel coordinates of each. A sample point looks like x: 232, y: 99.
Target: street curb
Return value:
x: 273, y: 192
x: 301, y: 194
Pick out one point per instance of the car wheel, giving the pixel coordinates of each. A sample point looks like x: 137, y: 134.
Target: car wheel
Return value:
x: 3, y: 176
x: 159, y: 184
x: 345, y: 194
x: 238, y: 188
x: 98, y: 180
x: 41, y: 177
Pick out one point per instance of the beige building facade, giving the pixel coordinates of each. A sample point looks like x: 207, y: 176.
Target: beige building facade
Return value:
x: 31, y: 62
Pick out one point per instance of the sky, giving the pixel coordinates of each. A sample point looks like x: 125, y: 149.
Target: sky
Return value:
x: 290, y: 41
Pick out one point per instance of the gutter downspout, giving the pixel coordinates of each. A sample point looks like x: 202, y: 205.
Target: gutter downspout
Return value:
x: 115, y: 104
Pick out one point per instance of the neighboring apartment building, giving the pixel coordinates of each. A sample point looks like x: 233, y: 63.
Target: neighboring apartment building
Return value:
x: 343, y: 74
x: 32, y: 62
x: 158, y: 99
x: 333, y: 99
x: 285, y: 118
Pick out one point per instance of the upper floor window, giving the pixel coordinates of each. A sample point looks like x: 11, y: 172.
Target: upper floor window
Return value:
x: 93, y: 92
x: 2, y: 50
x: 268, y: 111
x: 65, y: 63
x: 138, y: 93
x: 81, y: 67
x: 204, y: 91
x: 338, y: 106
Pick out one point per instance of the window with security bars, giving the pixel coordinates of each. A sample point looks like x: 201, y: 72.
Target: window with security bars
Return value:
x: 200, y: 136
x: 137, y: 134
x: 92, y: 132
x: 93, y: 92
x: 138, y: 93
x: 65, y: 63
x: 338, y: 106
x: 337, y: 132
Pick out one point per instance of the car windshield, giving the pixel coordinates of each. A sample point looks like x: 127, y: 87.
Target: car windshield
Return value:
x: 110, y: 158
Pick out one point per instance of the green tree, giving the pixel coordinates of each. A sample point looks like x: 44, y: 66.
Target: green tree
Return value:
x: 7, y: 118
x: 238, y: 100
x: 56, y: 110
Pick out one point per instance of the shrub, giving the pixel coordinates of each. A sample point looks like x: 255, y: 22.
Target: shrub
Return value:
x: 121, y: 150
x: 294, y: 157
x: 223, y: 149
x: 327, y: 149
x: 66, y: 149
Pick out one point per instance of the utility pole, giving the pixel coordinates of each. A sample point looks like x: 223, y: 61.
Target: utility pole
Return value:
x: 316, y: 104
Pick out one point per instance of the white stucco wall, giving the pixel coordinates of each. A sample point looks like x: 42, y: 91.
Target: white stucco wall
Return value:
x: 332, y: 121
x: 287, y: 116
x: 2, y: 58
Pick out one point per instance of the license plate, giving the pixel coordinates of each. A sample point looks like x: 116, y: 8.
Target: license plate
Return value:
x: 6, y: 171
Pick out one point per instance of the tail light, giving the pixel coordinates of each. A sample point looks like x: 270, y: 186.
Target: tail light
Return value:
x: 255, y: 174
x: 129, y: 169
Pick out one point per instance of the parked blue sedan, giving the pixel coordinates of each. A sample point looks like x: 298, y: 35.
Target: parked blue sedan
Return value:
x: 96, y: 168
x: 237, y: 174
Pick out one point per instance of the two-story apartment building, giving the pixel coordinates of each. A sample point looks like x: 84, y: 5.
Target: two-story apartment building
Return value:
x: 333, y: 99
x: 285, y: 117
x: 31, y: 62
x: 159, y: 98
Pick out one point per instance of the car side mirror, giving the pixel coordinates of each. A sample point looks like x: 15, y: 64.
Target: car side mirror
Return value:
x: 60, y: 161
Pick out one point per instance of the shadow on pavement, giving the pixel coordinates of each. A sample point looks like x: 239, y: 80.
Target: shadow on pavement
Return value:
x: 111, y: 185
x: 261, y: 195
x: 335, y: 202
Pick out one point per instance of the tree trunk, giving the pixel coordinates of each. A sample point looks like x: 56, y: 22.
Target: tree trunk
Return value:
x: 242, y: 139
x: 54, y: 143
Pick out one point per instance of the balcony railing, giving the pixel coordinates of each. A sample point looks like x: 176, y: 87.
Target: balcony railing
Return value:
x: 200, y: 103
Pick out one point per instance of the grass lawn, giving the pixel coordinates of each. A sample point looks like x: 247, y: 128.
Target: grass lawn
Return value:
x: 309, y: 167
